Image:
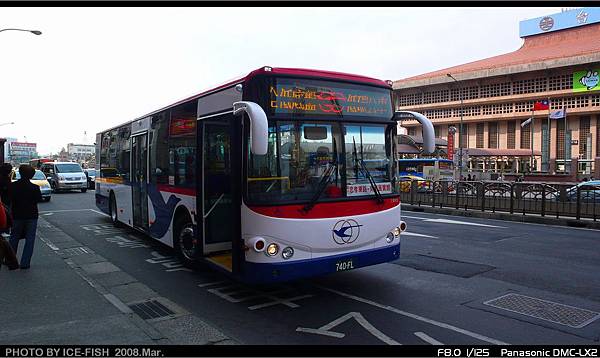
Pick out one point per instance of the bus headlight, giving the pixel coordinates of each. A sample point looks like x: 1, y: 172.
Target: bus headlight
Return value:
x: 257, y: 243
x: 287, y: 253
x: 390, y: 237
x: 396, y: 231
x: 272, y: 249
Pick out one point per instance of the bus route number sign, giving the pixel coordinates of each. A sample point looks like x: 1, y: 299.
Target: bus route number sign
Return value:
x: 312, y: 97
x: 344, y: 265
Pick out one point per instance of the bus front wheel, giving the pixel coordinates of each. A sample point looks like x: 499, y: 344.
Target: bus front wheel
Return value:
x: 112, y: 205
x: 185, y: 242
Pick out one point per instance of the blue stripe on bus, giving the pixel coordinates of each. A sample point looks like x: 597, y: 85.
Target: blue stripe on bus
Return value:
x: 286, y: 271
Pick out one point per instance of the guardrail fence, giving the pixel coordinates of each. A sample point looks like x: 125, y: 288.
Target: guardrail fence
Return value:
x: 545, y: 199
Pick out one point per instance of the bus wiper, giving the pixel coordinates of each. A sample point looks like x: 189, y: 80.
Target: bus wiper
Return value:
x: 372, y: 182
x: 366, y: 171
x: 324, y: 181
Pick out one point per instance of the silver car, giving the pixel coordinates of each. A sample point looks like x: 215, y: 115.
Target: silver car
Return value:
x: 65, y: 176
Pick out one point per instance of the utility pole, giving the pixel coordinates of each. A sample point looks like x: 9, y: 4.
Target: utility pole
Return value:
x: 460, y: 136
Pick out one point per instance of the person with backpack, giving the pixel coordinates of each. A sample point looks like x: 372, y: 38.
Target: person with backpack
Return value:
x: 24, y: 196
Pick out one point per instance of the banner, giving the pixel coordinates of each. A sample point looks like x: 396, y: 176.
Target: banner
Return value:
x: 584, y: 81
x: 557, y: 114
x: 450, y: 145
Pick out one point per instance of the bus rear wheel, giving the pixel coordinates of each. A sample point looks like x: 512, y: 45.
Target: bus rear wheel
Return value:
x: 185, y: 242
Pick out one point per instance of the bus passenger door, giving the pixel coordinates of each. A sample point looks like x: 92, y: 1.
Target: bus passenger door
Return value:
x: 139, y: 180
x: 216, y: 206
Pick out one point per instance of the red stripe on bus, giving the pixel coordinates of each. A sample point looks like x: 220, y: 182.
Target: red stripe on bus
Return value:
x: 177, y: 190
x: 327, y: 210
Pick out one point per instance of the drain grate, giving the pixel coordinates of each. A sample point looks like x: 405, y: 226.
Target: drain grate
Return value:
x: 544, y: 310
x: 151, y: 309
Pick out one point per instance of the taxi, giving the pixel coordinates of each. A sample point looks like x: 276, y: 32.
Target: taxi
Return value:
x: 406, y: 182
x: 38, y: 179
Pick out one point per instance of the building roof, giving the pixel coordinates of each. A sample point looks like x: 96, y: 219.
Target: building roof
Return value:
x: 580, y: 44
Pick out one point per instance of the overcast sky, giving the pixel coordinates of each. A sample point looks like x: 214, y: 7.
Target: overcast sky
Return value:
x: 93, y: 68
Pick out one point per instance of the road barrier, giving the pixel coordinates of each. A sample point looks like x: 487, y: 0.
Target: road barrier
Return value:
x: 546, y: 199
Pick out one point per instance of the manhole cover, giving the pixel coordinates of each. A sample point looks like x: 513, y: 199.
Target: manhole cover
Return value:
x: 544, y: 310
x: 151, y: 309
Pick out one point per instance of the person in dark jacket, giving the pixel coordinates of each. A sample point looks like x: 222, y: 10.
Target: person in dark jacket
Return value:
x: 5, y: 183
x: 24, y: 196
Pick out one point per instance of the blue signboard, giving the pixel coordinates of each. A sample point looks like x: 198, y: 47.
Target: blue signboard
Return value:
x: 560, y: 21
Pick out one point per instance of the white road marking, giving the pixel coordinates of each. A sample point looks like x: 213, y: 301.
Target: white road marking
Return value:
x: 99, y: 212
x: 211, y: 283
x: 417, y: 317
x: 428, y: 339
x: 414, y: 217
x: 63, y: 211
x: 419, y: 235
x: 47, y: 214
x: 276, y: 301
x: 447, y: 221
x: 325, y: 330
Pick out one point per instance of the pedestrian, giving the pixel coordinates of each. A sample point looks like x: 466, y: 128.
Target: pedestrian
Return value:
x: 24, y: 196
x: 5, y: 183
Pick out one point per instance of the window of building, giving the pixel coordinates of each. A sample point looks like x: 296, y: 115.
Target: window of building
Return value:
x: 525, y: 136
x: 493, y: 135
x: 584, y: 132
x: 437, y: 131
x: 479, y: 135
x: 560, y: 139
x: 560, y: 82
x: 510, y: 134
x: 412, y: 131
x: 464, y: 136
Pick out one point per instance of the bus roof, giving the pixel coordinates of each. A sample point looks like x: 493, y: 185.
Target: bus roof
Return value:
x: 300, y: 72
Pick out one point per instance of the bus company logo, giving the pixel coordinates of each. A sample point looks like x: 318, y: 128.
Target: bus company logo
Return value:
x: 345, y: 231
x: 546, y: 23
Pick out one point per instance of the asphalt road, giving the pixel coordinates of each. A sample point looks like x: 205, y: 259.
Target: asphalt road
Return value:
x: 442, y: 290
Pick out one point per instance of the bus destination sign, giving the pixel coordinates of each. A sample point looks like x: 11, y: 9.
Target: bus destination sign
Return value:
x: 311, y: 97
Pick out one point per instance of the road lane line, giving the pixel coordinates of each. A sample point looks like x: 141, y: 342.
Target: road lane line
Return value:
x: 428, y: 339
x: 414, y: 217
x: 447, y: 221
x: 62, y: 211
x: 414, y: 316
x: 418, y: 235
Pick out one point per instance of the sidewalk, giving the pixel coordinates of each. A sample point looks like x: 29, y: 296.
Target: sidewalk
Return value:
x: 529, y: 218
x: 72, y: 295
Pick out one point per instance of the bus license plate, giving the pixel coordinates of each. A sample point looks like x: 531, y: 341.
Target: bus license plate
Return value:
x: 344, y: 265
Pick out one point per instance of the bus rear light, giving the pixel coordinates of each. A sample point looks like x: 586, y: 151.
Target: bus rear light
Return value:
x: 403, y: 226
x: 272, y: 249
x: 257, y: 243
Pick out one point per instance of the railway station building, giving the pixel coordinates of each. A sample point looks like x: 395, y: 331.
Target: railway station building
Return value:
x: 533, y: 111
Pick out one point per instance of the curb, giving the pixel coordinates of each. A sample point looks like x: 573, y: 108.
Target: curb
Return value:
x: 544, y: 220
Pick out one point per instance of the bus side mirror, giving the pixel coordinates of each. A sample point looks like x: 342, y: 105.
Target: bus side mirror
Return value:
x: 259, y: 127
x: 428, y: 131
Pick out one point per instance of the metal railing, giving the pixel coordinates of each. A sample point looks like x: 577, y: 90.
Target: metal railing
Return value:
x: 561, y: 200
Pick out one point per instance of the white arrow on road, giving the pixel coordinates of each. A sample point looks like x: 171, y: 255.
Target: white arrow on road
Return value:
x: 325, y: 330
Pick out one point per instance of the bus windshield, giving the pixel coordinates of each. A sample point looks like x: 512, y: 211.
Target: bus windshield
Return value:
x: 306, y: 157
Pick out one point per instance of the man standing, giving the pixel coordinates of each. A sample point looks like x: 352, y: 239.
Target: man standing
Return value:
x: 24, y: 197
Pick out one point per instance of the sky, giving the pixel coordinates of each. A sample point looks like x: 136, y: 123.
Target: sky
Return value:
x: 94, y: 68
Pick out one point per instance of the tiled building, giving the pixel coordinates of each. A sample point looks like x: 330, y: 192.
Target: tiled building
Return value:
x: 498, y: 95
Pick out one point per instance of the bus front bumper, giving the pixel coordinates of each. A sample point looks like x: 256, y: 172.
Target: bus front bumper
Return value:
x: 261, y: 273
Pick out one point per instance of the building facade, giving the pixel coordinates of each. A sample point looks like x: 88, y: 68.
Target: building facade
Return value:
x: 22, y: 152
x: 80, y: 152
x: 555, y: 69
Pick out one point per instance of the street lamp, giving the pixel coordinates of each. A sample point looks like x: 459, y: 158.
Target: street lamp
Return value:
x: 460, y: 151
x: 35, y: 32
x: 3, y: 124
